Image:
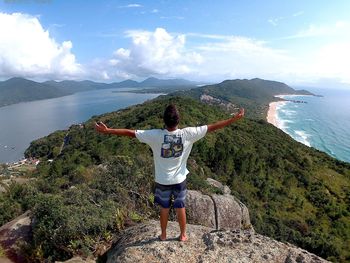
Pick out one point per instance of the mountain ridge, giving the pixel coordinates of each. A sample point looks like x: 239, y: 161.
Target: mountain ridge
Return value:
x: 15, y: 90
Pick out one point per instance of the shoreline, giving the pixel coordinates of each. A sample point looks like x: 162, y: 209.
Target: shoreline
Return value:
x: 99, y: 101
x: 272, y: 113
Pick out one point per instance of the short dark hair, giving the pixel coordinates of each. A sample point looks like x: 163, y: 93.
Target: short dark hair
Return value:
x: 171, y: 116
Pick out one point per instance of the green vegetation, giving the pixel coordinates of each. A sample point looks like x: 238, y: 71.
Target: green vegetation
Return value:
x: 100, y: 184
x: 2, y: 252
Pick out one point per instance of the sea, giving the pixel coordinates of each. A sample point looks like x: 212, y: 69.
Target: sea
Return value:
x: 24, y: 122
x: 320, y: 122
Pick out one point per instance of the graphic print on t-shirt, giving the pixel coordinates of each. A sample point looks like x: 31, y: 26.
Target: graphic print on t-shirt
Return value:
x: 172, y: 146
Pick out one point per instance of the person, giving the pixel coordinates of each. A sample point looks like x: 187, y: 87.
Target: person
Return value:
x: 171, y: 147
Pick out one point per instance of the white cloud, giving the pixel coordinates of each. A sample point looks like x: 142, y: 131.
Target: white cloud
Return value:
x: 134, y: 5
x: 219, y: 57
x: 131, y: 6
x: 332, y: 60
x: 227, y: 56
x: 173, y: 17
x: 213, y: 57
x: 241, y: 57
x: 210, y: 36
x: 298, y: 13
x: 26, y: 49
x: 274, y: 21
x: 154, y: 53
x: 339, y: 28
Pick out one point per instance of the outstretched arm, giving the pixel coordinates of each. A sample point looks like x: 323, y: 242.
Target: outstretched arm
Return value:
x: 224, y: 123
x: 102, y: 128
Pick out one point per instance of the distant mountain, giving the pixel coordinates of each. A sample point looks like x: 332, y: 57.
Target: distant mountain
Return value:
x: 251, y: 91
x: 154, y: 82
x: 17, y: 90
x: 72, y: 86
x: 257, y: 89
x: 305, y: 92
x: 125, y: 84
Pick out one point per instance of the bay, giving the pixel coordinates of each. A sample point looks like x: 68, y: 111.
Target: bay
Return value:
x: 24, y: 122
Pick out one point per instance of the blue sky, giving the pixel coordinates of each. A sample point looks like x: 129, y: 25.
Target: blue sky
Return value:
x: 297, y: 42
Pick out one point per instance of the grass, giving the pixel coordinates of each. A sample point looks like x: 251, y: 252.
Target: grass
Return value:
x: 2, y: 252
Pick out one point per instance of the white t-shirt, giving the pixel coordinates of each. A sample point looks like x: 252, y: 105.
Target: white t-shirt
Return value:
x: 171, y: 151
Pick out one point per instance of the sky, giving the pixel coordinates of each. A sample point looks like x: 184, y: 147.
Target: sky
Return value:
x: 297, y: 42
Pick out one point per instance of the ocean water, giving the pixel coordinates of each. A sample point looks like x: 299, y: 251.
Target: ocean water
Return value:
x: 24, y: 122
x: 321, y: 122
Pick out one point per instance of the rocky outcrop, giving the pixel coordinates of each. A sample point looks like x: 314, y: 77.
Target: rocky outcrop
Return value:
x: 11, y: 235
x: 217, y: 211
x: 228, y: 212
x: 141, y: 244
x: 222, y: 233
x: 223, y: 188
x: 225, y: 235
x: 77, y: 260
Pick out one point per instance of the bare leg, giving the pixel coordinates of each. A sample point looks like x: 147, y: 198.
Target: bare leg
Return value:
x: 164, y: 214
x: 181, y: 217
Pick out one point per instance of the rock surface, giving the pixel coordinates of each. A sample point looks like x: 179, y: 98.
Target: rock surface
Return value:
x: 217, y: 211
x: 141, y: 244
x: 200, y: 209
x: 11, y: 234
x: 224, y: 188
x: 77, y: 260
x: 228, y: 212
x: 225, y: 235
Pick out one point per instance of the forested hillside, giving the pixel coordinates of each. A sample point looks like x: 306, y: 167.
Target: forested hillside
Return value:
x: 100, y: 183
x: 254, y: 94
x: 17, y: 90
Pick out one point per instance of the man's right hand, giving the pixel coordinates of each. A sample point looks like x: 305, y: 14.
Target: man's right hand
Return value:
x: 101, y: 127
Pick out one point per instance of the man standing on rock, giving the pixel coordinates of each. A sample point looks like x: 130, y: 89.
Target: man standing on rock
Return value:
x: 171, y: 147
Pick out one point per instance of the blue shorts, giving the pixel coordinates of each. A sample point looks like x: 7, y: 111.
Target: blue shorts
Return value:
x: 163, y: 195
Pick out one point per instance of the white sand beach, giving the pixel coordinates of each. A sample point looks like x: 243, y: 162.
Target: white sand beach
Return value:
x: 272, y: 113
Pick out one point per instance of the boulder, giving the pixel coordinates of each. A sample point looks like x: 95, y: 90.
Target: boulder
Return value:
x: 217, y: 211
x: 12, y: 234
x: 141, y: 244
x: 224, y: 188
x: 229, y: 212
x: 200, y: 209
